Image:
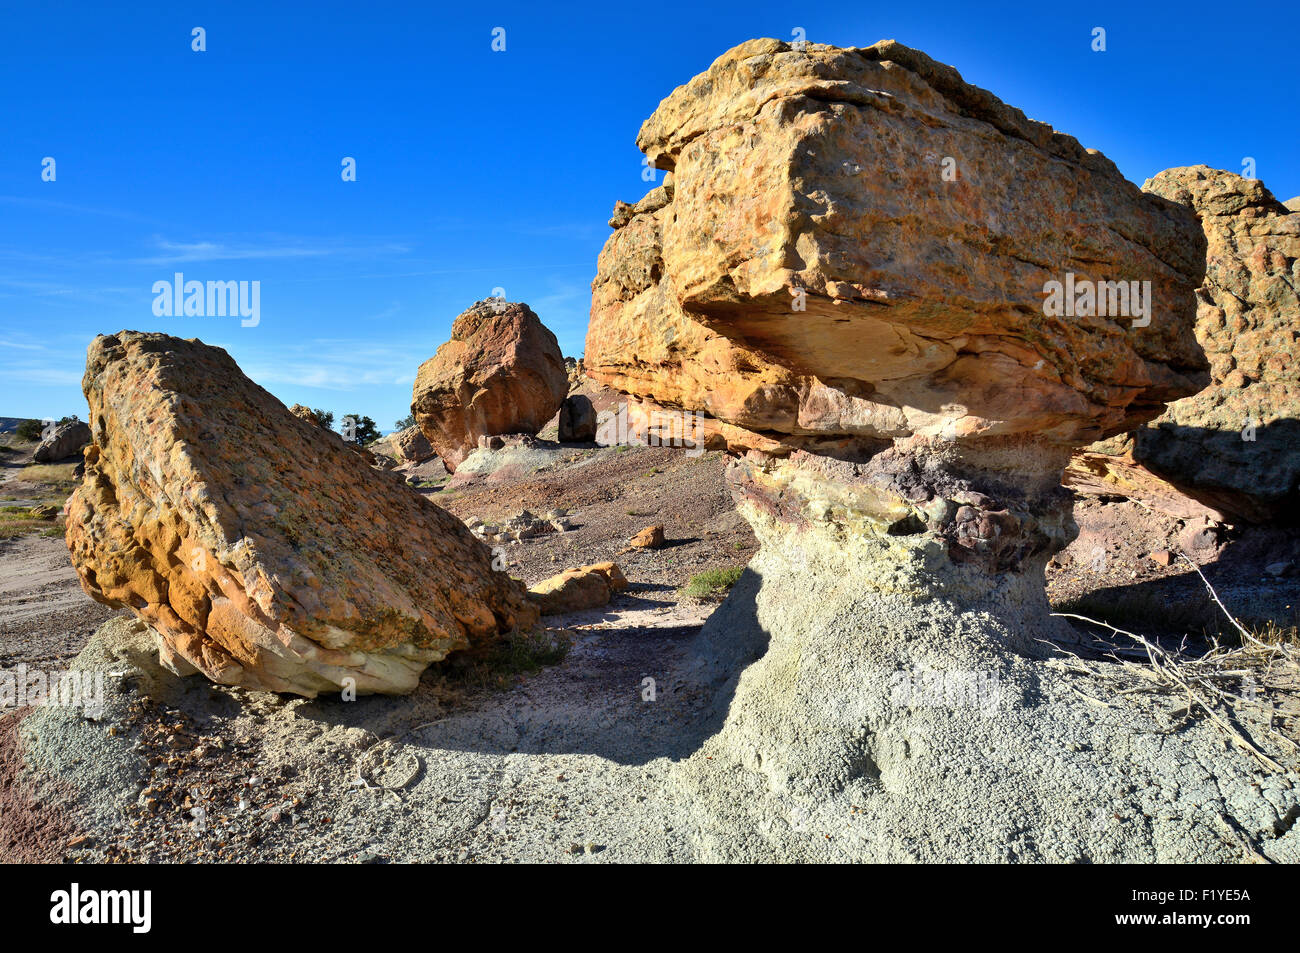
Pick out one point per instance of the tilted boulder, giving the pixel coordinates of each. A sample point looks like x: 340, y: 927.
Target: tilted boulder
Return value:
x: 265, y: 553
x: 501, y: 373
x: 66, y: 441
x: 855, y: 277
x: 1235, y: 446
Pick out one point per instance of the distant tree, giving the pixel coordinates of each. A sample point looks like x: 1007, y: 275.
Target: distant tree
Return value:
x: 360, y: 429
x: 326, y: 417
x: 405, y: 422
x: 35, y: 429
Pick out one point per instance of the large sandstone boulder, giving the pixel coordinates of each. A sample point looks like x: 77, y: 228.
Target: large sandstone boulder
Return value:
x: 66, y: 441
x: 1235, y: 446
x: 502, y: 372
x: 877, y: 342
x: 264, y: 552
x: 810, y: 270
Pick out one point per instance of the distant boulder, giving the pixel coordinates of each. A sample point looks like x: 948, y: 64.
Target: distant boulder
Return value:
x: 66, y: 441
x: 405, y: 446
x: 577, y: 419
x: 501, y: 373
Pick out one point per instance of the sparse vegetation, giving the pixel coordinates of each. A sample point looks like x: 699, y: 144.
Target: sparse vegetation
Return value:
x: 54, y: 474
x: 712, y: 582
x: 502, y: 665
x: 16, y: 521
x: 405, y: 422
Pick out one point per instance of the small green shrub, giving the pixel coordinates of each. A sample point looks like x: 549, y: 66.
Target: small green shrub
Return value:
x: 712, y: 582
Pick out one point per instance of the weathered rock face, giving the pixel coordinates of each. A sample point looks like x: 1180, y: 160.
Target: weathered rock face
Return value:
x: 1235, y: 446
x: 816, y: 180
x: 876, y: 338
x: 66, y: 440
x: 265, y: 553
x: 502, y: 372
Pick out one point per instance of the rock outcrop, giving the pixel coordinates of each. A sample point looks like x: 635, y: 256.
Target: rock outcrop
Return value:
x: 66, y: 441
x: 303, y: 412
x: 265, y: 553
x: 1235, y: 446
x: 855, y: 277
x: 501, y: 373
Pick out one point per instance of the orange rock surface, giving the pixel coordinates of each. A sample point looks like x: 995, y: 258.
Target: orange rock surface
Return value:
x: 263, y: 550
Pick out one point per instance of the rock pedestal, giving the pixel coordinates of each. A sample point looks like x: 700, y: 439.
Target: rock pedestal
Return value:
x: 856, y: 281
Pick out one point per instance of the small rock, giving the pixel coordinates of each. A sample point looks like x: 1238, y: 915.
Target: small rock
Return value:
x: 652, y: 537
x: 1277, y: 569
x: 1162, y: 557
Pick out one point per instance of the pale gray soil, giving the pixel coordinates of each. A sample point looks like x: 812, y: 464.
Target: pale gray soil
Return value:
x: 581, y: 762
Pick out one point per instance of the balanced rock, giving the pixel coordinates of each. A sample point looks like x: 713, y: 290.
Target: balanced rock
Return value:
x: 1235, y: 446
x: 860, y: 272
x: 501, y: 373
x: 577, y: 419
x: 66, y: 441
x: 264, y: 553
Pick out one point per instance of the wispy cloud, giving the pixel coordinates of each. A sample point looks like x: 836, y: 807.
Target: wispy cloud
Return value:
x: 179, y: 253
x: 336, y: 364
x: 57, y: 206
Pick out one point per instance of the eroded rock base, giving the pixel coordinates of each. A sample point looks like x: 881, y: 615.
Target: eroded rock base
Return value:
x: 862, y: 722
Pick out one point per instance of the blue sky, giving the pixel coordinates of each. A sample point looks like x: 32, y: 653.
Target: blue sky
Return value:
x: 476, y: 169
